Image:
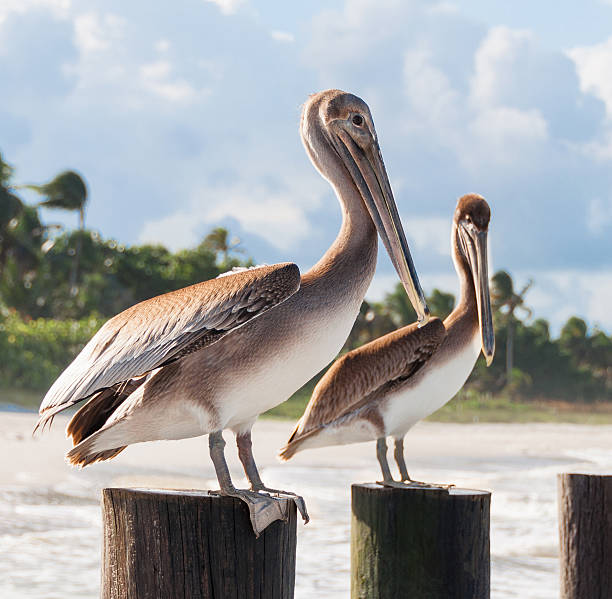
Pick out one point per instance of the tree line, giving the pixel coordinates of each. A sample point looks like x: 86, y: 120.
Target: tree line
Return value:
x: 529, y: 363
x: 58, y: 286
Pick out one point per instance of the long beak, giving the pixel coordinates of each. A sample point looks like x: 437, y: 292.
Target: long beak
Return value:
x: 370, y: 176
x: 476, y: 245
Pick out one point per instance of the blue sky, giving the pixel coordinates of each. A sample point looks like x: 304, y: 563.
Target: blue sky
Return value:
x: 183, y: 115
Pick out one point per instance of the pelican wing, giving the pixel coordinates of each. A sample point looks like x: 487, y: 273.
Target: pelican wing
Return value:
x: 164, y: 328
x: 355, y: 377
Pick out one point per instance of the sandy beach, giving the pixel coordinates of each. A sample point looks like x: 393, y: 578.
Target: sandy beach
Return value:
x: 49, y: 515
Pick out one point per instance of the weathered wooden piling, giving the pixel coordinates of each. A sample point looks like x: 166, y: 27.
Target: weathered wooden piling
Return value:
x: 419, y: 542
x: 162, y: 544
x: 585, y: 535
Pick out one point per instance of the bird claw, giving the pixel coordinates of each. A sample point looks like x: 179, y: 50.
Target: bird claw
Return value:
x: 394, y: 484
x: 297, y: 499
x: 265, y: 508
x: 422, y: 485
x: 413, y: 484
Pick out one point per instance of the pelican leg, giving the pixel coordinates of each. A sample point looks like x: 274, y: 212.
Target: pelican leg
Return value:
x: 245, y: 453
x: 216, y: 446
x: 263, y: 509
x: 399, y: 459
x: 381, y: 454
x: 401, y: 464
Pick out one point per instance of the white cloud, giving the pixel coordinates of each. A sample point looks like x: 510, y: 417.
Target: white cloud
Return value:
x: 558, y: 294
x: 599, y: 215
x: 278, y: 216
x: 228, y: 7
x: 428, y: 89
x: 94, y: 32
x: 111, y: 65
x: 600, y: 149
x: 282, y: 36
x: 162, y: 45
x: 59, y: 8
x: 505, y: 136
x: 477, y: 125
x: 495, y: 64
x: 443, y: 8
x: 176, y: 231
x: 156, y: 77
x: 430, y: 234
x: 594, y: 65
x: 354, y: 35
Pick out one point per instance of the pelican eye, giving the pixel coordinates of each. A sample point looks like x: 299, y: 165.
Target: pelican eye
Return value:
x: 358, y: 120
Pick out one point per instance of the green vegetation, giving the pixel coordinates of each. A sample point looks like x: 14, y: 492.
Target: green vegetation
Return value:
x: 471, y: 406
x: 57, y: 287
x: 34, y: 352
x: 531, y: 365
x: 23, y: 399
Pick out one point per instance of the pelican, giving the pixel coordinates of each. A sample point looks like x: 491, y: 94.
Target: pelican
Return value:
x: 386, y: 386
x: 181, y: 365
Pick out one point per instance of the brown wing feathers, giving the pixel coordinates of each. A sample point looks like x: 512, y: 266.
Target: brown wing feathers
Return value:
x: 364, y: 373
x: 163, y: 329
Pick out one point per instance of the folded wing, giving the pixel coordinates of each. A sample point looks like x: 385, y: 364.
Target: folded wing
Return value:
x: 165, y: 328
x: 353, y: 379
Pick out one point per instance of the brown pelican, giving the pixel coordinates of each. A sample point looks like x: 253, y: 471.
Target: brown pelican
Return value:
x: 383, y: 388
x: 158, y: 375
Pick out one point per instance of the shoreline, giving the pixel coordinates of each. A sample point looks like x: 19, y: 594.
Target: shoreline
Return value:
x: 39, y: 459
x: 459, y: 411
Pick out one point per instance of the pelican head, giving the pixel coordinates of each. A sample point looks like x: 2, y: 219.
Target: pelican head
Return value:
x: 471, y: 224
x: 338, y: 132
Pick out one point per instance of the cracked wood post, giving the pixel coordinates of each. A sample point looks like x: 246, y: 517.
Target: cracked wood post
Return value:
x: 585, y: 535
x: 415, y: 542
x: 163, y: 544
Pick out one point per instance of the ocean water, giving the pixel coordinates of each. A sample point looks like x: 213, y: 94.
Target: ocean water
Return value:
x: 50, y: 535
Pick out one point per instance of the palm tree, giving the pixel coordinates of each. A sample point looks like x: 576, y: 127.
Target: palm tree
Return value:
x: 21, y: 232
x: 23, y: 241
x: 66, y: 191
x: 219, y: 242
x: 506, y: 301
x: 10, y: 209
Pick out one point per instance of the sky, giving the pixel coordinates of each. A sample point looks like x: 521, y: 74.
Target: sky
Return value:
x: 184, y: 115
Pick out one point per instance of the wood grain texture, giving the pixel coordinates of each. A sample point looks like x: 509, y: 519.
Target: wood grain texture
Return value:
x: 164, y: 544
x: 425, y: 543
x: 585, y: 535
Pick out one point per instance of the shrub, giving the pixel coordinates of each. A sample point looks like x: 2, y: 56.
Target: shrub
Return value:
x: 34, y: 352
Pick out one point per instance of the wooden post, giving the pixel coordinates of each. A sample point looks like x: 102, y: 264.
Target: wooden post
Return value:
x: 162, y: 544
x: 419, y: 542
x: 585, y: 535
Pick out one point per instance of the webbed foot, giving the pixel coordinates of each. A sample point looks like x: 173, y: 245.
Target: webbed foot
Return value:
x: 297, y: 499
x: 414, y: 484
x: 263, y: 509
